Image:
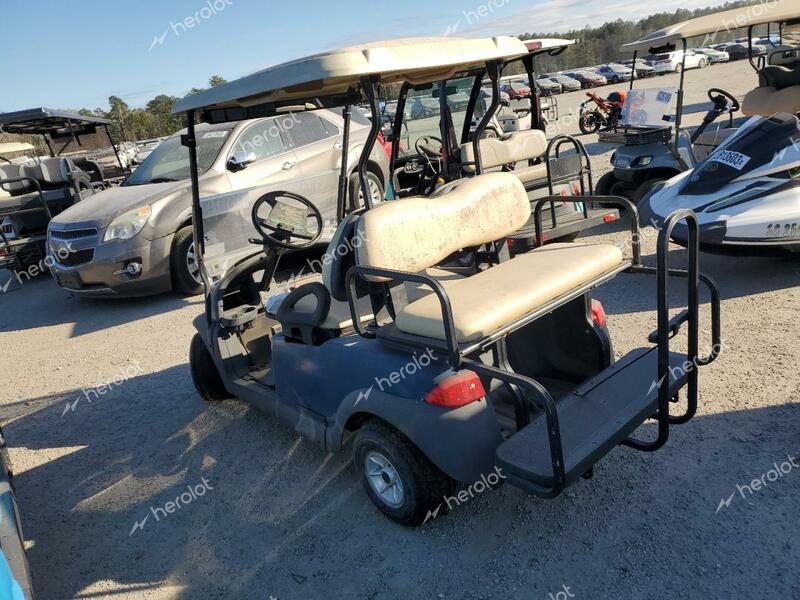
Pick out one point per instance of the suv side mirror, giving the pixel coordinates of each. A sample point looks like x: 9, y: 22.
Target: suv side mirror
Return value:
x: 239, y: 161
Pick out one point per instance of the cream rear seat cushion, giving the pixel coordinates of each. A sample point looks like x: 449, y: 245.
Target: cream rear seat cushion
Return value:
x: 766, y: 101
x: 516, y: 147
x: 414, y: 234
x: 494, y: 298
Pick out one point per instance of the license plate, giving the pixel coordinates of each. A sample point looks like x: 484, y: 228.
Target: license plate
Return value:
x: 69, y: 280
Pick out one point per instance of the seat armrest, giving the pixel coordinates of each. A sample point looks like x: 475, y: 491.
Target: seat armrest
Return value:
x: 630, y: 207
x: 358, y: 271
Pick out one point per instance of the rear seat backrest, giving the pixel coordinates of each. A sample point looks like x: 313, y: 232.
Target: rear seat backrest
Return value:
x: 11, y: 172
x: 515, y: 147
x: 417, y: 233
x: 51, y: 172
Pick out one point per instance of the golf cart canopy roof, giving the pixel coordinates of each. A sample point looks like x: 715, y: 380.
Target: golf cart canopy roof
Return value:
x: 44, y: 121
x: 9, y: 147
x: 551, y: 46
x: 777, y: 11
x: 334, y: 78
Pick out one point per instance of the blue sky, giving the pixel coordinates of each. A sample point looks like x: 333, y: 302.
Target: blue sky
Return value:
x: 136, y: 50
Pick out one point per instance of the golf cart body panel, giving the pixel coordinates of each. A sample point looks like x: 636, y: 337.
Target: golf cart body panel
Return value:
x: 508, y: 367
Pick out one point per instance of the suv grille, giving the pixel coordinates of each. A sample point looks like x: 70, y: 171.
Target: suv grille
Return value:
x: 73, y: 259
x: 73, y: 234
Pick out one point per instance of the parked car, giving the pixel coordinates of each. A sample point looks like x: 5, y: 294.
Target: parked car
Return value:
x: 516, y: 90
x: 587, y: 79
x: 741, y: 51
x: 136, y: 239
x: 568, y: 84
x: 486, y: 94
x: 614, y: 72
x: 144, y: 148
x: 714, y: 56
x: 548, y: 87
x: 643, y: 68
x: 672, y: 62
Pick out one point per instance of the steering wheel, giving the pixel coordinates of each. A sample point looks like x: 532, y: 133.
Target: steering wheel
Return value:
x: 732, y: 106
x: 423, y: 147
x: 280, y: 234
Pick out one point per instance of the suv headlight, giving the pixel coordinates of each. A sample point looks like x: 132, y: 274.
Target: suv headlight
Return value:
x: 128, y: 224
x: 642, y: 161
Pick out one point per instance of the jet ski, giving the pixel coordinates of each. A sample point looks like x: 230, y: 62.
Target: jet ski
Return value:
x: 746, y: 193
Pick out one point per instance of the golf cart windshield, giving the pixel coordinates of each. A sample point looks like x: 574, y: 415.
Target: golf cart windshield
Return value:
x: 170, y: 160
x: 649, y: 107
x: 421, y: 117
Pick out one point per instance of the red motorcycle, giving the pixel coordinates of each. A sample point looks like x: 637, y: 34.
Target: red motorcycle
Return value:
x: 597, y: 113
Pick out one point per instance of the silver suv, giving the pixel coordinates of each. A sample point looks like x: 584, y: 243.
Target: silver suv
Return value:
x: 136, y: 239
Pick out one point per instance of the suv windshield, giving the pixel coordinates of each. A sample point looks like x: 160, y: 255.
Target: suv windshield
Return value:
x: 170, y: 160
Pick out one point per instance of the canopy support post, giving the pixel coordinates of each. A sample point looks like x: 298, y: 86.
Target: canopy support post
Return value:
x: 536, y: 99
x: 370, y: 84
x: 189, y: 140
x: 633, y: 69
x: 473, y: 103
x: 493, y: 69
x: 679, y: 111
x: 397, y: 131
x: 341, y: 198
x: 114, y: 148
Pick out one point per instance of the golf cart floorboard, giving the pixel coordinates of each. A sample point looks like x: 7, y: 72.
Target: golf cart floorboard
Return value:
x: 593, y: 419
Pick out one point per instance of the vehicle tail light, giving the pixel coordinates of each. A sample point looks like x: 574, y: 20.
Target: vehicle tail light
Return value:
x: 599, y: 313
x: 457, y: 390
x: 3, y: 251
x: 610, y: 218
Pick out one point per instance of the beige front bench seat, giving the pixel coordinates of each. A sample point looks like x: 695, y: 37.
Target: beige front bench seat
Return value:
x: 417, y: 233
x: 519, y: 146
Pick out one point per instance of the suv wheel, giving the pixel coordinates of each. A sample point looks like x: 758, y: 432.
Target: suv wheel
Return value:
x: 375, y: 190
x: 184, y: 265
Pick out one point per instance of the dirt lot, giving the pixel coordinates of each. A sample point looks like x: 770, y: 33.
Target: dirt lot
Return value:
x: 105, y: 429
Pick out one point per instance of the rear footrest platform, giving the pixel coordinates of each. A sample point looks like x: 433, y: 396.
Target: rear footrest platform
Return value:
x: 593, y: 419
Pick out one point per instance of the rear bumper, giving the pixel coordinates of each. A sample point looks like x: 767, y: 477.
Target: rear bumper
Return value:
x: 103, y: 276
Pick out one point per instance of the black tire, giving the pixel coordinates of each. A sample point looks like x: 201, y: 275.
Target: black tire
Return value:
x: 605, y: 185
x: 354, y: 196
x: 424, y: 485
x: 703, y: 63
x: 614, y: 79
x: 205, y: 376
x: 182, y: 280
x: 590, y: 122
x: 643, y: 189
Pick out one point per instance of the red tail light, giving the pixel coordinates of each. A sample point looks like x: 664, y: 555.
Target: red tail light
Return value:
x: 609, y: 218
x: 599, y: 313
x: 457, y: 390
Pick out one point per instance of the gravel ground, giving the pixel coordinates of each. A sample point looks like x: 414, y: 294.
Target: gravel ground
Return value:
x: 104, y: 425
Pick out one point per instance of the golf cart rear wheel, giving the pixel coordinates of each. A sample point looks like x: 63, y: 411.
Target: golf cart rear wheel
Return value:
x: 644, y: 189
x: 397, y: 477
x: 184, y: 265
x: 205, y: 376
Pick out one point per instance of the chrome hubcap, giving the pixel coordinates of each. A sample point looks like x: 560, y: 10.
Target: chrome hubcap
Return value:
x: 192, y: 265
x: 374, y: 193
x: 384, y: 479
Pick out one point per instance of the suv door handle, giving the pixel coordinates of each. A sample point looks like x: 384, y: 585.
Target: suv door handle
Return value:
x: 289, y: 165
